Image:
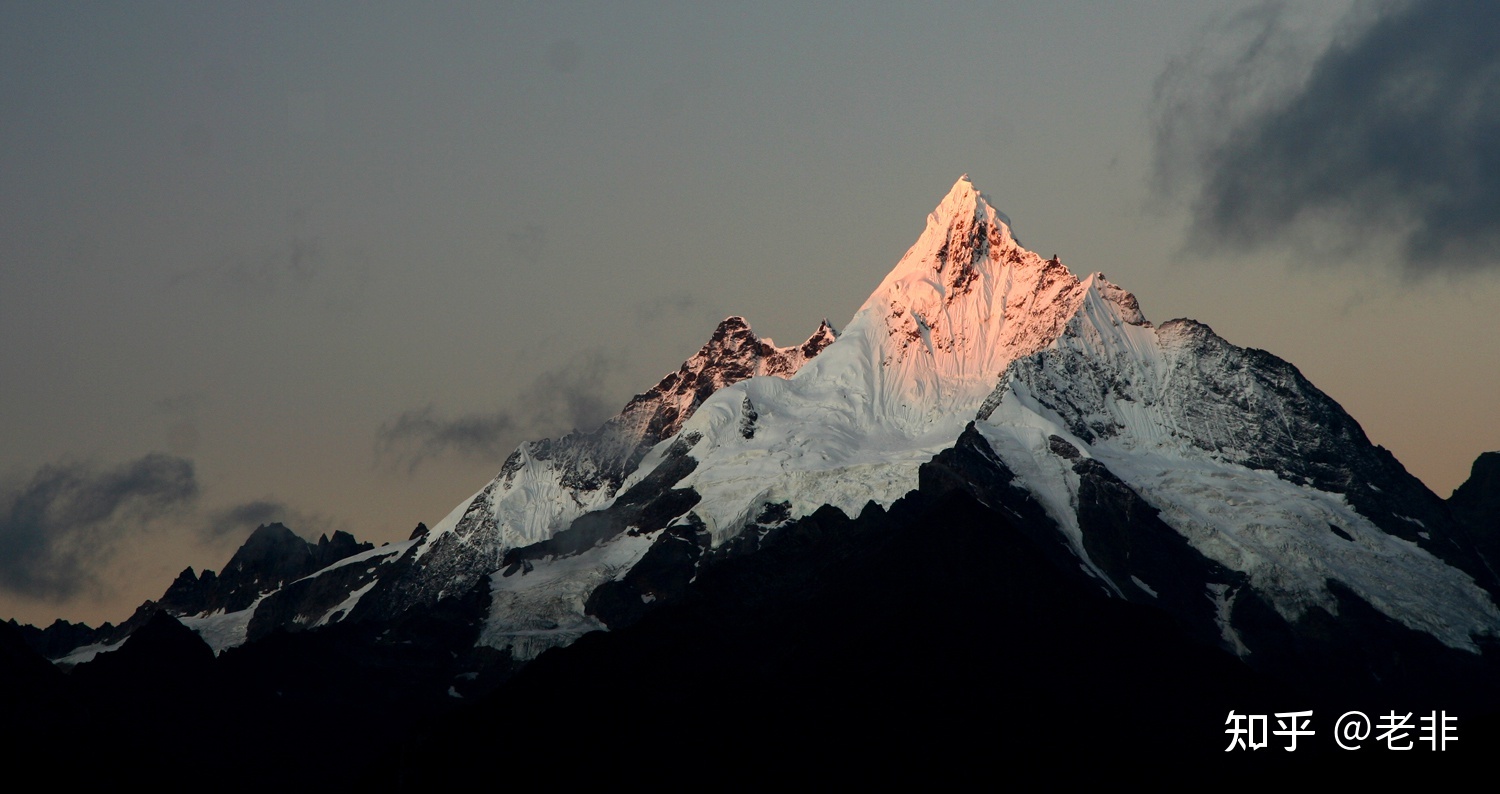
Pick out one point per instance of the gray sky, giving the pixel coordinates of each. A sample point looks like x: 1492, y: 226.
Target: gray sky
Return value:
x: 328, y: 263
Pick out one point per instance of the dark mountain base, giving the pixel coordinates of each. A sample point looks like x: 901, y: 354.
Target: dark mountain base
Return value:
x: 306, y: 710
x: 271, y: 557
x: 934, y: 642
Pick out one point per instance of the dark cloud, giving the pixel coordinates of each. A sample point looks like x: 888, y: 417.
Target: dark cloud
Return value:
x: 240, y: 520
x: 420, y: 434
x: 59, y: 527
x: 1387, y: 138
x: 246, y: 516
x: 574, y: 396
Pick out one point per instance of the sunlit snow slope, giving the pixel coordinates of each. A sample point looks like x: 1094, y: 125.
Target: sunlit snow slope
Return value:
x: 1243, y: 457
x: 541, y: 490
x: 904, y: 378
x: 1060, y: 388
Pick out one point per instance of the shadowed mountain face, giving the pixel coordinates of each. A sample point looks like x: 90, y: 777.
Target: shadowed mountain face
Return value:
x: 37, y: 705
x: 272, y: 557
x: 1001, y: 509
x: 933, y: 639
x: 1477, y: 504
x: 938, y: 639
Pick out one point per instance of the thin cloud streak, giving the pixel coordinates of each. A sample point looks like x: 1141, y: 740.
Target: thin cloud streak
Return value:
x: 672, y: 304
x: 421, y: 434
x: 572, y: 397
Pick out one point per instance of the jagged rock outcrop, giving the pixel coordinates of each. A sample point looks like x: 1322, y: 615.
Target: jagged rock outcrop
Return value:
x: 271, y: 558
x: 1476, y: 503
x: 544, y: 486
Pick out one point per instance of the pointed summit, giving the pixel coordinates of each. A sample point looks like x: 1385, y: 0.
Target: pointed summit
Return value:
x: 962, y: 232
x: 966, y: 202
x: 821, y: 338
x: 964, y: 302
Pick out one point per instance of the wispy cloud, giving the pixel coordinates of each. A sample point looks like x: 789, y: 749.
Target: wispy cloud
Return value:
x: 238, y: 521
x: 669, y: 305
x: 298, y: 264
x: 59, y: 527
x: 573, y: 396
x: 294, y: 264
x: 1384, y: 139
x: 420, y: 434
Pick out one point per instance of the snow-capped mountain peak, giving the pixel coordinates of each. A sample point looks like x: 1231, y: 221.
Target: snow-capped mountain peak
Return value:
x: 1029, y: 473
x: 962, y: 229
x: 1132, y: 451
x: 544, y: 486
x: 968, y: 320
x: 963, y: 302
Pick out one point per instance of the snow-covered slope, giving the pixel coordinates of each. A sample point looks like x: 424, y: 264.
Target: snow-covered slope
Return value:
x: 1166, y: 464
x: 908, y: 372
x: 542, y: 488
x: 1195, y: 436
x: 546, y: 484
x: 1253, y: 466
